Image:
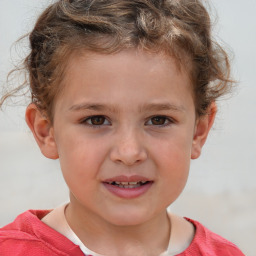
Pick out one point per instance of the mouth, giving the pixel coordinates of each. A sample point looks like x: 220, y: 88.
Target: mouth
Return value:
x: 127, y: 185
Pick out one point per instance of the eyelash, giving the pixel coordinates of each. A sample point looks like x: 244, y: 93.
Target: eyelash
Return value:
x: 85, y: 121
x: 167, y: 121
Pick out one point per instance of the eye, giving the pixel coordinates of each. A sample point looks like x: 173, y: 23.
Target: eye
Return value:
x: 96, y: 121
x: 159, y: 121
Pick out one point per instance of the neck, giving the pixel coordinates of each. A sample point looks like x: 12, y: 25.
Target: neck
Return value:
x: 149, y: 238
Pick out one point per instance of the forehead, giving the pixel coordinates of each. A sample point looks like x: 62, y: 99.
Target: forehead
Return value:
x: 130, y: 74
x: 132, y: 61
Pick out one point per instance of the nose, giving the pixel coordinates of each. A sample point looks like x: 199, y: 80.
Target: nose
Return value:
x: 128, y: 149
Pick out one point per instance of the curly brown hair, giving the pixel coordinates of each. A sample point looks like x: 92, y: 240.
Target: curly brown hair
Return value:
x: 179, y: 28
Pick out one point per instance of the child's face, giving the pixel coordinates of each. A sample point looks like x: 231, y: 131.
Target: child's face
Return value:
x: 125, y: 117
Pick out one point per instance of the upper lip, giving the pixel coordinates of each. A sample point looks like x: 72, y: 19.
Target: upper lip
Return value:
x: 124, y: 178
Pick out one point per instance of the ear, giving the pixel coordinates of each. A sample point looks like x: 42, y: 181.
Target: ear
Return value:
x: 202, y: 128
x: 42, y: 131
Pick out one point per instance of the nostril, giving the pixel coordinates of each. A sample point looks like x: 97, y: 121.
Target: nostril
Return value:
x: 129, y: 150
x: 128, y: 158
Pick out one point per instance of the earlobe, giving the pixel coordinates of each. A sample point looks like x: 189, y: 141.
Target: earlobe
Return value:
x: 202, y: 129
x: 42, y: 131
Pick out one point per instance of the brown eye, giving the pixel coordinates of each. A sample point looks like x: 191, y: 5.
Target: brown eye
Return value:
x: 158, y: 120
x: 96, y: 121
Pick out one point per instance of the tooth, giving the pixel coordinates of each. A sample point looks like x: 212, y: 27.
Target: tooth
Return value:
x: 124, y: 183
x: 133, y: 183
x: 117, y: 182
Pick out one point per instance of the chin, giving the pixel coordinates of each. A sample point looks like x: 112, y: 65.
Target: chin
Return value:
x: 127, y: 217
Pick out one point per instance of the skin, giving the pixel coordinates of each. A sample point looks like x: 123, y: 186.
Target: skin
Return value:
x: 128, y: 90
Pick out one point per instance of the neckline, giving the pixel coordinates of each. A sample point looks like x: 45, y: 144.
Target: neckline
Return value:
x: 177, y: 244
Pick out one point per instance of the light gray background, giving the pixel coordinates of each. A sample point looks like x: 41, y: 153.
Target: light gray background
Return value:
x: 221, y: 191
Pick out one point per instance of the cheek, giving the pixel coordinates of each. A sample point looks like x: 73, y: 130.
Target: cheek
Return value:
x: 173, y: 161
x: 79, y: 169
x: 174, y: 150
x: 175, y: 165
x: 81, y: 157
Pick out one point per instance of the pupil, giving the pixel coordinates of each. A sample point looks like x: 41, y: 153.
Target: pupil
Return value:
x: 158, y: 120
x: 98, y: 120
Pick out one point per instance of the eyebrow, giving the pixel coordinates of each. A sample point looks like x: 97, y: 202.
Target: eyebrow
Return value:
x: 92, y: 106
x: 112, y: 108
x: 161, y: 106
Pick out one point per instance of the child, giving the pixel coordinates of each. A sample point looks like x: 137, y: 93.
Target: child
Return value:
x: 123, y: 94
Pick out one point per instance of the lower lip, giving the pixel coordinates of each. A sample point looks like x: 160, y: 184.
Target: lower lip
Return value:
x: 128, y: 193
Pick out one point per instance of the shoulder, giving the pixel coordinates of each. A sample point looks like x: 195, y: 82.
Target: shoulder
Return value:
x: 206, y: 242
x: 28, y: 235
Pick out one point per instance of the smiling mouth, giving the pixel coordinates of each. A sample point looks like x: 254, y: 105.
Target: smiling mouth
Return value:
x: 128, y: 187
x: 132, y: 184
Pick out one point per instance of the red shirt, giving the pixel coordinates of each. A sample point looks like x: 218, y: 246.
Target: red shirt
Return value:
x: 28, y: 236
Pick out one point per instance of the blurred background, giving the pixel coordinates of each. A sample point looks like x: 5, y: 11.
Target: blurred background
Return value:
x: 221, y: 190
